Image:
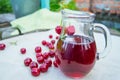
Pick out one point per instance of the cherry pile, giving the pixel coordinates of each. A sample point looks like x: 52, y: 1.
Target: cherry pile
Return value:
x: 43, y: 59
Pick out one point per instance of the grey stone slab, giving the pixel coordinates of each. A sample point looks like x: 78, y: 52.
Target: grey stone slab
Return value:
x: 7, y: 17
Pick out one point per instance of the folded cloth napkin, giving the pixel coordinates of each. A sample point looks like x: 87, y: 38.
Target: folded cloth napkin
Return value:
x: 41, y: 19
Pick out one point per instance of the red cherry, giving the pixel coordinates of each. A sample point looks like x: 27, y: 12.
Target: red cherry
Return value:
x: 40, y: 59
x: 27, y: 61
x: 23, y: 50
x: 50, y: 36
x: 48, y: 62
x: 2, y: 46
x: 38, y: 49
x: 48, y: 43
x: 45, y: 55
x: 77, y: 39
x: 53, y: 42
x: 70, y: 30
x: 57, y: 37
x: 57, y: 60
x: 43, y: 67
x: 35, y: 72
x: 51, y: 53
x: 51, y: 46
x: 33, y: 64
x: 55, y: 63
x: 38, y: 55
x: 44, y: 42
x: 58, y: 29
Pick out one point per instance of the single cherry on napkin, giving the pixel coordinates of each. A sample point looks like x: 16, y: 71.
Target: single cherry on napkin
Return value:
x: 2, y: 46
x: 70, y: 30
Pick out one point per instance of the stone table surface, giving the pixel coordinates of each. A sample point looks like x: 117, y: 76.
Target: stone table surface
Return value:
x: 12, y: 62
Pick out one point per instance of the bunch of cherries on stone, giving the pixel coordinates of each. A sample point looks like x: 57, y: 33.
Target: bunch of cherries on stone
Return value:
x: 44, y: 61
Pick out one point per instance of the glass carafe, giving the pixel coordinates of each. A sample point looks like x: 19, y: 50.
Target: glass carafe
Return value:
x: 76, y: 51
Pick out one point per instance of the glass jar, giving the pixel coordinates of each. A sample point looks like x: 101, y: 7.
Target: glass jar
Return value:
x: 76, y: 51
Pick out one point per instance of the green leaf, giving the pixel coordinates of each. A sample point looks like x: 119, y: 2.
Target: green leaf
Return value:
x: 72, y: 5
x: 55, y: 7
x: 5, y: 6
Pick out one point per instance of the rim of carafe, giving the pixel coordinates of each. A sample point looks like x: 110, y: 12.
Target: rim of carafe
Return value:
x: 81, y: 15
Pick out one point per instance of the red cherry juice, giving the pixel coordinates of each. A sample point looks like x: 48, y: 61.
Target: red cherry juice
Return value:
x: 77, y: 55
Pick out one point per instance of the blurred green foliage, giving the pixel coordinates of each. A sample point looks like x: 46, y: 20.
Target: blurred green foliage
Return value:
x: 5, y: 6
x: 57, y: 5
x: 54, y: 5
x: 71, y: 5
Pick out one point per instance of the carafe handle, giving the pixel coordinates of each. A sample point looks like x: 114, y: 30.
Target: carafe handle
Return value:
x: 102, y: 28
